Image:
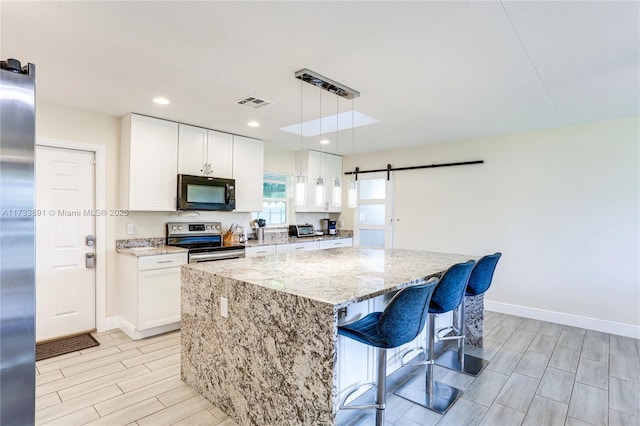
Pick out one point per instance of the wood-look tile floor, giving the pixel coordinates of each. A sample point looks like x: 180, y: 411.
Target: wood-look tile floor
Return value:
x: 121, y: 382
x: 539, y: 374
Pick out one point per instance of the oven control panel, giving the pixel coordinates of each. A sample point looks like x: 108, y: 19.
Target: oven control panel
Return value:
x: 200, y: 228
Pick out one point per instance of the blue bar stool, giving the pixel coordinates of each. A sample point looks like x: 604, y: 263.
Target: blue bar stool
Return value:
x: 400, y: 322
x: 437, y: 396
x: 479, y: 283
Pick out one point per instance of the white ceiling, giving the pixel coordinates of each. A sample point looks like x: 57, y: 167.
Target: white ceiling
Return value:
x: 429, y: 71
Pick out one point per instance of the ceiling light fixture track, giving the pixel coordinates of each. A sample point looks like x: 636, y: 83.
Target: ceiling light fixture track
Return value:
x: 327, y: 84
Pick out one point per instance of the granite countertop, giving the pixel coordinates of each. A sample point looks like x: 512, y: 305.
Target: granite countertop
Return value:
x: 151, y: 251
x: 338, y: 277
x: 293, y: 240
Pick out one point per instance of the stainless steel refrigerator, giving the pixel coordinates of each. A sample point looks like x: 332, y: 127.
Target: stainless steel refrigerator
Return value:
x: 17, y: 243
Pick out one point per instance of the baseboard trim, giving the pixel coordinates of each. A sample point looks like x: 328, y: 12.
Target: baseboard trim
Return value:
x: 620, y: 329
x: 111, y: 323
x: 129, y: 329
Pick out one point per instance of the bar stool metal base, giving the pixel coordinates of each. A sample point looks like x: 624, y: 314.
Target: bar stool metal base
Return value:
x: 440, y: 400
x: 472, y: 365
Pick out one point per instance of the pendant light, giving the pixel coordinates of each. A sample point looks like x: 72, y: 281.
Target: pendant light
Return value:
x: 352, y: 192
x: 319, y: 190
x: 338, y: 89
x: 336, y: 188
x: 300, y: 184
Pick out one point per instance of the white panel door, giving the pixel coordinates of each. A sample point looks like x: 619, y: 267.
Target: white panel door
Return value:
x: 65, y: 286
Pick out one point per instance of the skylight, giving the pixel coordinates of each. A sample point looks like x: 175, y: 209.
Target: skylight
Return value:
x: 312, y: 127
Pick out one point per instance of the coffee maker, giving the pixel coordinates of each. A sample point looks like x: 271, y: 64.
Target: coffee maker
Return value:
x: 328, y: 226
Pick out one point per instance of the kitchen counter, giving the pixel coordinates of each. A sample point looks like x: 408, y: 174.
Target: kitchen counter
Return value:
x: 151, y: 251
x: 272, y: 359
x: 292, y: 240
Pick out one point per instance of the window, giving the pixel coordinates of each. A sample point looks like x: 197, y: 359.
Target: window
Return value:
x: 275, y: 191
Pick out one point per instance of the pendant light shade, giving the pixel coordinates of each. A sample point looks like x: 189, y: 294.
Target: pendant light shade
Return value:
x: 352, y: 195
x: 336, y: 193
x: 299, y: 190
x: 319, y: 192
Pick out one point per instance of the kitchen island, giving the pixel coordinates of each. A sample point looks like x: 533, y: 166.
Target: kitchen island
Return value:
x: 259, y: 335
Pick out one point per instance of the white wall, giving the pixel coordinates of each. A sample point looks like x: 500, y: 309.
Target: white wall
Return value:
x: 562, y: 205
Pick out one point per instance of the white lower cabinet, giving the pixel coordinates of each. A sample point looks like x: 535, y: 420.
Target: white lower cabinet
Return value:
x: 293, y: 247
x: 259, y: 251
x: 149, y: 293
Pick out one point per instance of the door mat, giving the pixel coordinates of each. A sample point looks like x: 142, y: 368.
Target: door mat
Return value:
x: 64, y: 346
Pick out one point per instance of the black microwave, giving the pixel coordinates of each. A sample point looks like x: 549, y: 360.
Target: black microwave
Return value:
x: 206, y: 193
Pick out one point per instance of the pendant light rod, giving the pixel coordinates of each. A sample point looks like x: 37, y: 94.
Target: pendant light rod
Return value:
x: 389, y: 169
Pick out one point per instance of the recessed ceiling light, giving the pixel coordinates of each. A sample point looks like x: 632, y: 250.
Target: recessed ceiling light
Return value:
x: 253, y: 124
x: 325, y: 141
x: 161, y: 101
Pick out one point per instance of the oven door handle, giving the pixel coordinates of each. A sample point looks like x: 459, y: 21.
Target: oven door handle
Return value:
x: 205, y: 257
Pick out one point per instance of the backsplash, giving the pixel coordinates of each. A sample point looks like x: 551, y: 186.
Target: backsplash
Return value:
x: 140, y: 242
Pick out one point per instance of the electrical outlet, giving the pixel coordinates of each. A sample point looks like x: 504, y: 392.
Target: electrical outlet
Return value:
x: 224, y: 307
x: 129, y: 228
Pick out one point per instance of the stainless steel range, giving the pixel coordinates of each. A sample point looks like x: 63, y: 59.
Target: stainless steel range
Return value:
x: 204, y: 241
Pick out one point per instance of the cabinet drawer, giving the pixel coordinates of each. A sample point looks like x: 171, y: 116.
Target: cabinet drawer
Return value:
x: 342, y: 242
x: 288, y: 248
x: 259, y: 251
x: 161, y: 261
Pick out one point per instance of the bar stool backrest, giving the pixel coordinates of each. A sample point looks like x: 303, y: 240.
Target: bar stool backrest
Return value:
x: 482, y: 274
x: 406, y: 314
x: 450, y: 290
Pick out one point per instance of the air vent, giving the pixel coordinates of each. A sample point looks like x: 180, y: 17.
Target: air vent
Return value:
x: 253, y: 102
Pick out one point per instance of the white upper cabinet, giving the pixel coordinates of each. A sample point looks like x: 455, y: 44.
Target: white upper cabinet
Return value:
x: 148, y: 166
x: 204, y: 152
x: 248, y: 171
x: 315, y: 165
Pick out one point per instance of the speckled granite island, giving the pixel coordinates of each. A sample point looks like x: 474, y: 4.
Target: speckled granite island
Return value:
x: 272, y: 361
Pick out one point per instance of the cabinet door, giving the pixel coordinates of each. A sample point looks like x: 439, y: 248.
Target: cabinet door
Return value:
x: 192, y: 150
x: 220, y: 154
x: 333, y: 170
x: 248, y: 171
x: 355, y: 361
x: 315, y: 170
x: 153, y: 169
x: 159, y: 297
